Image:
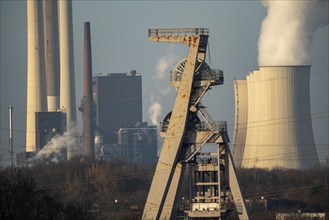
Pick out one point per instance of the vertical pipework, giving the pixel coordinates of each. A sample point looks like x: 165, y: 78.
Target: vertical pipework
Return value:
x: 36, y: 90
x: 11, y: 150
x: 52, y: 54
x: 87, y: 102
x: 67, y: 83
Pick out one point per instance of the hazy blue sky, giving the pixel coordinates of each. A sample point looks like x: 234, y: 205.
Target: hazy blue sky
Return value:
x: 119, y: 44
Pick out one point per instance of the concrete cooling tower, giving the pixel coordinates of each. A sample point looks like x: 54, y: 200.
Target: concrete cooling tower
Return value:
x: 279, y: 126
x: 241, y: 119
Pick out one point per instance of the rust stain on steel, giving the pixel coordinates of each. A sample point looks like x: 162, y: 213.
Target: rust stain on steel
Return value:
x: 176, y: 128
x: 166, y: 164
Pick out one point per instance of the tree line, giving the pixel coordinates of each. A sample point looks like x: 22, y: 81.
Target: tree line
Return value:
x: 84, y: 189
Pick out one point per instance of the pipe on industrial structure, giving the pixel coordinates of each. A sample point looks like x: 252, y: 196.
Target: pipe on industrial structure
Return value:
x: 279, y: 131
x: 67, y: 79
x: 36, y: 82
x: 87, y: 101
x: 52, y: 54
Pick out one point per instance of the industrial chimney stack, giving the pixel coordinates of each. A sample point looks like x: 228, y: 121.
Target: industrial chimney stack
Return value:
x: 87, y: 101
x: 67, y: 86
x: 52, y: 54
x: 36, y: 90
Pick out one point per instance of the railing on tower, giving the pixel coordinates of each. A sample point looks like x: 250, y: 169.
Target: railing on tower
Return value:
x: 178, y: 31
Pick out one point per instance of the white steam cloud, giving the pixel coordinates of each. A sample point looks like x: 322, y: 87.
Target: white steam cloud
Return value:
x: 164, y: 64
x: 55, y: 150
x: 155, y: 110
x: 162, y: 70
x: 287, y: 31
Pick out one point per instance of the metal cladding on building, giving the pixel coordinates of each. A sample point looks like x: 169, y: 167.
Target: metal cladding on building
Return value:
x: 36, y: 90
x: 139, y: 143
x: 87, y: 101
x: 118, y: 99
x: 52, y: 54
x: 241, y: 119
x: 48, y: 125
x: 67, y: 85
x: 279, y: 131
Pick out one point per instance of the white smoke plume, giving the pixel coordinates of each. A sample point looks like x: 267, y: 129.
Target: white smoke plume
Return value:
x: 164, y: 63
x: 287, y: 31
x: 55, y: 150
x: 162, y: 71
x: 155, y: 110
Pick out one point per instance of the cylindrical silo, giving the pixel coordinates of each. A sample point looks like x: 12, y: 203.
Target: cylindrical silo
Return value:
x: 279, y: 132
x: 36, y: 90
x: 67, y: 83
x: 52, y: 54
x: 241, y: 120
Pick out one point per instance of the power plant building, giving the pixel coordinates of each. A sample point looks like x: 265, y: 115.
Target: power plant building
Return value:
x: 118, y: 100
x: 49, y: 124
x: 278, y: 132
x: 139, y: 143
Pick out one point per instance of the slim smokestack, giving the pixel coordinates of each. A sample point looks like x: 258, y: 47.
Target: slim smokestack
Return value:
x: 11, y: 138
x: 36, y: 91
x: 52, y: 54
x: 87, y: 102
x: 67, y: 83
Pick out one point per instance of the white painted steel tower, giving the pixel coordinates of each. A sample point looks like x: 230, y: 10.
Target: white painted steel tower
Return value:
x: 67, y: 82
x: 36, y: 90
x: 279, y: 131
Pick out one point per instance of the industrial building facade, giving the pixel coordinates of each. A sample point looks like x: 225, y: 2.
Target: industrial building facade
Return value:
x: 118, y: 114
x: 118, y: 99
x: 139, y: 143
x: 49, y: 124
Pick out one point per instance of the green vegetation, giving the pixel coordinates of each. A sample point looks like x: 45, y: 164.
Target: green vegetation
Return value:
x: 82, y: 189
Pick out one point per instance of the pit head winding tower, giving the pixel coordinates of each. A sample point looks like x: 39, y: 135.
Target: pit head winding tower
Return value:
x: 185, y: 134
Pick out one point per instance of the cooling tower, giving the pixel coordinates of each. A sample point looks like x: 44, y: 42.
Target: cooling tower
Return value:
x: 241, y: 120
x: 279, y: 132
x: 67, y: 83
x: 52, y: 54
x: 36, y: 90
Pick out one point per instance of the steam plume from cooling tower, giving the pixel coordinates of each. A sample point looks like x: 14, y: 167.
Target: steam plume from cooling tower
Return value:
x: 164, y: 64
x: 287, y: 31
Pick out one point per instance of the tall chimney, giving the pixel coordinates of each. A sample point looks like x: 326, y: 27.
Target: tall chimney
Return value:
x: 52, y: 54
x: 36, y: 90
x: 87, y: 102
x: 67, y: 83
